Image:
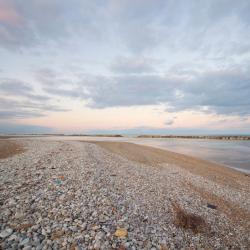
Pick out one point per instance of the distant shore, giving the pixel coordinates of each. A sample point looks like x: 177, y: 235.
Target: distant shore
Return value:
x: 209, y: 137
x: 213, y: 137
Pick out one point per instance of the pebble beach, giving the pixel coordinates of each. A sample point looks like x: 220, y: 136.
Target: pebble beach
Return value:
x: 85, y: 195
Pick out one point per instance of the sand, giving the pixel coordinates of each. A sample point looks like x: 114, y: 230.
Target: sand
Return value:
x: 9, y: 148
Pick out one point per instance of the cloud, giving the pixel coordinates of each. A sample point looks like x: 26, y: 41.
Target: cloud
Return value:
x: 18, y: 100
x: 63, y: 19
x: 139, y: 26
x: 221, y: 91
x: 182, y: 26
x: 169, y: 122
x: 10, y: 128
x: 127, y: 65
x: 128, y: 90
x: 13, y: 86
x: 8, y: 14
x: 19, y: 114
x: 202, y: 51
x: 46, y: 76
x: 62, y: 92
x: 19, y: 88
x: 11, y: 108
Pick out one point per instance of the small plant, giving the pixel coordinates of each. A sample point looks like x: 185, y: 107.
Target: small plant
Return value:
x: 188, y: 221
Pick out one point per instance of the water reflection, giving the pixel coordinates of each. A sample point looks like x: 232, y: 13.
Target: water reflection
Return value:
x: 232, y: 153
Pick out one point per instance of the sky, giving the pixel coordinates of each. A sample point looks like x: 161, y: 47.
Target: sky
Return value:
x: 125, y: 66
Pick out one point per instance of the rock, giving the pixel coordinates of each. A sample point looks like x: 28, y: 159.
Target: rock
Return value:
x: 6, y: 233
x: 127, y: 245
x: 19, y: 215
x: 11, y: 202
x: 96, y: 227
x: 121, y: 232
x: 99, y: 236
x: 39, y: 247
x: 24, y: 242
x: 211, y: 206
x: 27, y: 248
x: 13, y: 237
x: 44, y: 232
x: 97, y: 245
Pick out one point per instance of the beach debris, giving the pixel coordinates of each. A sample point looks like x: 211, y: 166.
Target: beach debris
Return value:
x: 62, y: 177
x: 58, y: 181
x: 211, y: 206
x: 121, y: 232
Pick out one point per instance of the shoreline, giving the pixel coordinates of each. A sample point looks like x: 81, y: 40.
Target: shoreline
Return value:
x: 146, y: 136
x: 156, y: 156
x: 200, y: 137
x: 240, y: 162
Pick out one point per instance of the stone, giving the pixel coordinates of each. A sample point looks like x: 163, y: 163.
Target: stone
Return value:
x: 24, y: 242
x: 6, y: 233
x: 211, y: 206
x: 19, y: 215
x: 27, y: 248
x: 121, y: 232
x: 99, y: 236
x: 97, y: 245
x: 13, y: 237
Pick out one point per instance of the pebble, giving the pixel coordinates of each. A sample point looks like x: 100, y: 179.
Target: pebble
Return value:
x: 97, y: 245
x: 24, y: 242
x: 5, y: 233
x: 27, y: 248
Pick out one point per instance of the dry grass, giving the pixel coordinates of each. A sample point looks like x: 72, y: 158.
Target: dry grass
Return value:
x: 9, y: 148
x: 188, y: 221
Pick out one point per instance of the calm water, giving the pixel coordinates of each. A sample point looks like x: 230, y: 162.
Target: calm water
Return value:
x: 235, y: 154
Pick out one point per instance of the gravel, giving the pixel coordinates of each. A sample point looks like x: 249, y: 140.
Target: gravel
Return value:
x: 75, y: 195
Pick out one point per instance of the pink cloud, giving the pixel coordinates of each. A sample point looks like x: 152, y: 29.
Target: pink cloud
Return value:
x: 8, y: 14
